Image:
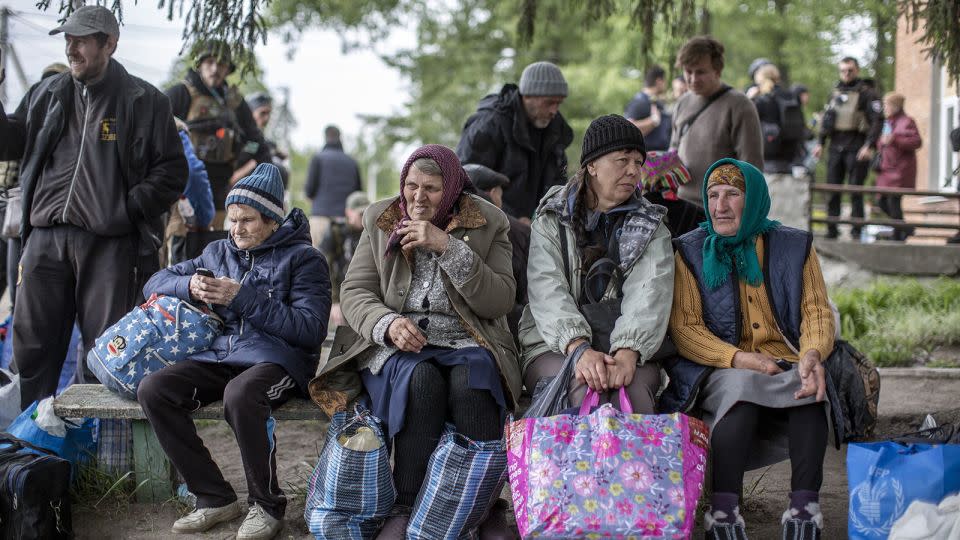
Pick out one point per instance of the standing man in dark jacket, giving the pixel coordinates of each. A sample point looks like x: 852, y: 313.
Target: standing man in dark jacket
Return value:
x: 101, y: 161
x: 222, y: 129
x: 331, y: 178
x: 852, y: 121
x: 520, y: 133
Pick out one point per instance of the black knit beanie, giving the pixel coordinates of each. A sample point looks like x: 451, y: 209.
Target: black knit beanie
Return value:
x: 608, y: 134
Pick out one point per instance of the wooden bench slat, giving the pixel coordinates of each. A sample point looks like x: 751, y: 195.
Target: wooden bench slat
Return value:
x: 96, y: 401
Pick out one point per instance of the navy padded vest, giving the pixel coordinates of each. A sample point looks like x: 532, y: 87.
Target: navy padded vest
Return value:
x: 785, y: 253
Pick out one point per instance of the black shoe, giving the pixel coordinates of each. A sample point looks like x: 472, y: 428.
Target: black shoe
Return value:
x: 726, y: 531
x: 795, y: 529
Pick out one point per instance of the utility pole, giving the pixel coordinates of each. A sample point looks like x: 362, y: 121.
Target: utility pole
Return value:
x: 284, y: 122
x: 4, y: 49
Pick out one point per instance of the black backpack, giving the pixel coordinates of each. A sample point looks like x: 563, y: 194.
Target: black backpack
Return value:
x: 34, y: 495
x: 793, y: 126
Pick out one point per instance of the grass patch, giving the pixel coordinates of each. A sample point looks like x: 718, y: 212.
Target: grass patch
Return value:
x: 101, y: 490
x: 899, y: 322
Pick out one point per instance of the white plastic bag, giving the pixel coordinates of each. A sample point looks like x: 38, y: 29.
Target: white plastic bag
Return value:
x: 9, y: 396
x: 926, y: 521
x: 48, y: 421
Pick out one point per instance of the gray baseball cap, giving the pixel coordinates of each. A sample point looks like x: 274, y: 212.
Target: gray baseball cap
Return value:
x: 89, y: 20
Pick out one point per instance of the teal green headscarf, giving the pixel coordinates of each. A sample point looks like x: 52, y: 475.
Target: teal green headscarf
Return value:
x: 721, y: 254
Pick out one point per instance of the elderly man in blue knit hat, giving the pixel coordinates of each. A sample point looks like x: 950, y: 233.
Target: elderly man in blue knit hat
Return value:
x: 520, y: 133
x: 271, y: 288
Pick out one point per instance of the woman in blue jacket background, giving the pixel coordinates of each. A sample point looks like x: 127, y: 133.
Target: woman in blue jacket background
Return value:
x: 272, y: 289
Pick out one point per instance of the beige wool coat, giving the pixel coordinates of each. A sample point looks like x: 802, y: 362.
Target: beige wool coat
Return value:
x: 376, y: 286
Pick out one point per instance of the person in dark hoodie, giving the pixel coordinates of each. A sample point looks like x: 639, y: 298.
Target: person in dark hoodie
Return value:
x: 272, y: 291
x: 520, y: 133
x: 331, y: 178
x: 222, y: 129
x: 100, y: 163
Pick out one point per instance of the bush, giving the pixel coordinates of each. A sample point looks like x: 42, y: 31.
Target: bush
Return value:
x: 894, y: 322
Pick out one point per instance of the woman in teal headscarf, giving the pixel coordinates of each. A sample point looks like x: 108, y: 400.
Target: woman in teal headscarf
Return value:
x: 750, y: 302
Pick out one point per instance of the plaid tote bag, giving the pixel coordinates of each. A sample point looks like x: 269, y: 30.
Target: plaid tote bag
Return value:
x: 464, y: 480
x: 351, y: 490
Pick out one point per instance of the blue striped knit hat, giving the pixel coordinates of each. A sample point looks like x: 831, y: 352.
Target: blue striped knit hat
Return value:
x: 262, y: 190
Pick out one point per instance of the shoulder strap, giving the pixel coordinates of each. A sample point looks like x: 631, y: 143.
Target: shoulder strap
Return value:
x: 689, y: 122
x: 564, y: 252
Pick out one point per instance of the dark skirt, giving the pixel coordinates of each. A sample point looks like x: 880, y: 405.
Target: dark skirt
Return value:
x: 389, y: 389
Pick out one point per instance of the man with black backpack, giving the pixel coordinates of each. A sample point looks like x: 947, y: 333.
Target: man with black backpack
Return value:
x: 784, y: 132
x: 852, y: 121
x: 781, y: 121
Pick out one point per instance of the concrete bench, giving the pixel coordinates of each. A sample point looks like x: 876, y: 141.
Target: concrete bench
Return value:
x: 150, y: 462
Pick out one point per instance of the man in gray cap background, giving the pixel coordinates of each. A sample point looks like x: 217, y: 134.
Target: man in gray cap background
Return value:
x: 520, y: 133
x: 101, y: 161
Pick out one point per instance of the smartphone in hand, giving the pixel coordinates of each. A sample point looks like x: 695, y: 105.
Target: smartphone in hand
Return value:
x: 204, y: 272
x: 785, y: 365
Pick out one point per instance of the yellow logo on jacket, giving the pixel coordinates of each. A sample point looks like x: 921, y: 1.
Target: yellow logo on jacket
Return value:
x: 108, y: 129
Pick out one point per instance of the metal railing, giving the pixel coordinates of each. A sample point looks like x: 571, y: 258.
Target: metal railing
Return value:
x: 951, y: 217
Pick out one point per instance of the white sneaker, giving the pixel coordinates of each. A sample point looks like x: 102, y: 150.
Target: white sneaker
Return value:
x: 202, y: 519
x: 259, y: 525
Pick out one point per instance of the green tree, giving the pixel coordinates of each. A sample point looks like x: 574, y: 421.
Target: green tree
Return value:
x: 242, y: 23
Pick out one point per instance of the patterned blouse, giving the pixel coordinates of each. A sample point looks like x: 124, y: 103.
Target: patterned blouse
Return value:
x: 427, y: 304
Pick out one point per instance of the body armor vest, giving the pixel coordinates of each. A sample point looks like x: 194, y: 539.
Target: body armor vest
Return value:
x: 214, y: 130
x: 849, y: 116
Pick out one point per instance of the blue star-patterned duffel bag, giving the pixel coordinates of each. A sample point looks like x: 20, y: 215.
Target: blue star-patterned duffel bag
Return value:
x: 159, y: 333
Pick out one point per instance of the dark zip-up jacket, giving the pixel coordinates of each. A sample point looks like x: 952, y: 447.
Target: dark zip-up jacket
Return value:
x: 500, y: 136
x: 149, y: 154
x: 280, y: 314
x: 77, y: 186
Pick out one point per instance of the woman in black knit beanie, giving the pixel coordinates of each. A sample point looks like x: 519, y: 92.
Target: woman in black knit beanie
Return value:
x: 589, y: 235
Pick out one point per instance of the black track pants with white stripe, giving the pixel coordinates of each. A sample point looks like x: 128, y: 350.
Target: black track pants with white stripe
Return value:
x: 249, y: 395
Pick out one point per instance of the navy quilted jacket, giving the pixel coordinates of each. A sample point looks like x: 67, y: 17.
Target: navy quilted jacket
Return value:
x: 280, y: 314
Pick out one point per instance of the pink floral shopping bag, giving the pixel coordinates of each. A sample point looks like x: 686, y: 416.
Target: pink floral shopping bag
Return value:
x: 606, y: 474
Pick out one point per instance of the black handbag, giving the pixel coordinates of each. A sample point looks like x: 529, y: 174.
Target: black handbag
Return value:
x: 34, y: 495
x: 602, y: 314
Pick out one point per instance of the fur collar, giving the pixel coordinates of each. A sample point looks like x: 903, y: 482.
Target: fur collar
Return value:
x: 467, y: 216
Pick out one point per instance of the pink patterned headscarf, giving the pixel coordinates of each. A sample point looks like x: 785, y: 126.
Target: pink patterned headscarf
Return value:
x: 455, y: 180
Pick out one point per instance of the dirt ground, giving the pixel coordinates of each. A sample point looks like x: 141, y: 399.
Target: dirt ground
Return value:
x: 299, y: 444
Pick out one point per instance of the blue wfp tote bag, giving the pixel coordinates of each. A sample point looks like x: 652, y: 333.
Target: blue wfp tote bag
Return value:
x: 464, y: 479
x: 885, y: 477
x: 350, y: 492
x: 162, y: 331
